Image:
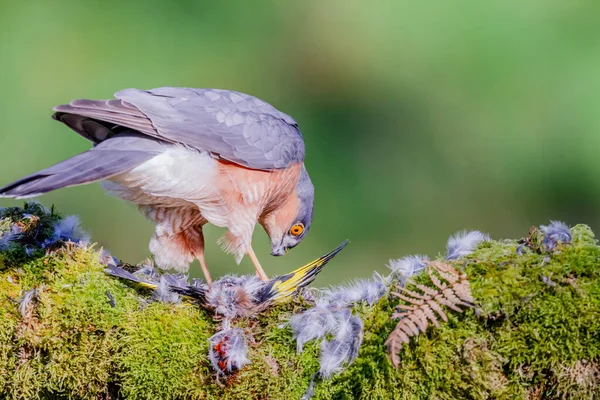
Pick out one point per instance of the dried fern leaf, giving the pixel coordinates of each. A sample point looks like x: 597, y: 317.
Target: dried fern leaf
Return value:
x: 463, y: 291
x: 406, y: 307
x: 438, y: 309
x: 443, y: 300
x: 417, y: 319
x: 427, y: 290
x: 413, y: 294
x: 435, y: 280
x: 451, y: 296
x: 430, y: 315
x: 394, y: 346
x: 450, y: 289
x: 447, y: 272
x: 423, y: 317
x: 410, y: 300
x: 409, y: 327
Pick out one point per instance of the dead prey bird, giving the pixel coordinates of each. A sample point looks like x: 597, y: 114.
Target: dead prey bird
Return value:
x: 233, y: 296
x: 188, y: 157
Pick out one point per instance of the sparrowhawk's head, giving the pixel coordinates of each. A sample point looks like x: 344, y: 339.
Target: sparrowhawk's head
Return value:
x: 288, y: 226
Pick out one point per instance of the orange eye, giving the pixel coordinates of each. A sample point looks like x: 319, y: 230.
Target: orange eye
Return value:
x: 297, y: 229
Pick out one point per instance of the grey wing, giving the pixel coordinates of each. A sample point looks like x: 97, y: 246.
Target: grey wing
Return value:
x: 233, y: 126
x: 111, y: 157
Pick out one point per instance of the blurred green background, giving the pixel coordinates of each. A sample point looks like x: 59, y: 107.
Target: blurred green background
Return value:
x: 420, y: 119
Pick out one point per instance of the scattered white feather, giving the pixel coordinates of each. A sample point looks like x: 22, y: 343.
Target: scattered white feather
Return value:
x: 105, y: 258
x: 228, y: 350
x: 369, y: 290
x: 313, y: 324
x: 231, y: 295
x: 148, y: 271
x: 199, y: 283
x: 343, y: 348
x: 463, y: 243
x: 28, y: 298
x: 163, y: 292
x: 9, y: 236
x: 408, y: 266
x: 310, y: 392
x: 237, y: 352
x: 556, y: 232
x: 68, y: 229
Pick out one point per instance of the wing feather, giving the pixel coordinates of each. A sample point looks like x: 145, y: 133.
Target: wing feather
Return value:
x: 234, y: 126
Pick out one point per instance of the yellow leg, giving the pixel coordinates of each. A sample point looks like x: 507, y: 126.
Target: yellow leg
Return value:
x: 205, y: 268
x: 260, y: 272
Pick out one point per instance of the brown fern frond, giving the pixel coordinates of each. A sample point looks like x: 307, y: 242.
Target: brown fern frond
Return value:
x: 435, y: 280
x: 427, y: 290
x: 430, y: 315
x: 405, y: 307
x: 438, y: 309
x: 408, y: 299
x: 413, y: 294
x: 450, y: 289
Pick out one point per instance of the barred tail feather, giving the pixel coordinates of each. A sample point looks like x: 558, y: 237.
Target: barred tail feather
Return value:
x: 110, y: 158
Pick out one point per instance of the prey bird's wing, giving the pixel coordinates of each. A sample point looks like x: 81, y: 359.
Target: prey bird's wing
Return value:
x: 232, y: 126
x: 284, y: 286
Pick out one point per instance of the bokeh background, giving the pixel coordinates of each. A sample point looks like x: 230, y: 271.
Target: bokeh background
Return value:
x: 419, y: 119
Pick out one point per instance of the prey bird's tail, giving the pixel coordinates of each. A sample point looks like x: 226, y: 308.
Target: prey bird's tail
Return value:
x: 111, y: 157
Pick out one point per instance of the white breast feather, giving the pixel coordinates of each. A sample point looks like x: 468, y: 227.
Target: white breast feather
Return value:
x: 179, y: 175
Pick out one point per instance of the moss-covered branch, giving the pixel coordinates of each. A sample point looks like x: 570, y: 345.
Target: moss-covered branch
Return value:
x: 535, y: 332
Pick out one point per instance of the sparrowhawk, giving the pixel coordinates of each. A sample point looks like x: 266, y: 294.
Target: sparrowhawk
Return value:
x: 187, y: 157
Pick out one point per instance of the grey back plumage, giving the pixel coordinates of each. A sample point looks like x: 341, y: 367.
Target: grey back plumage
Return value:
x: 233, y: 126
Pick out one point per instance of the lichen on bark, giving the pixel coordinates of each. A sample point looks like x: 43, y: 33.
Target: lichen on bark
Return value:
x: 534, y: 333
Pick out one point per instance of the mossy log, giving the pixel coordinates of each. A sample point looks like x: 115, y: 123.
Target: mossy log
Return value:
x: 534, y: 333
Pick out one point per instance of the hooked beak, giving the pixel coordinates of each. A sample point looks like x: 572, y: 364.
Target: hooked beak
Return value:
x: 279, y: 250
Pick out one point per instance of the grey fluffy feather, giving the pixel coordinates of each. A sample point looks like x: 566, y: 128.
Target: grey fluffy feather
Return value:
x: 164, y: 292
x: 111, y: 299
x: 68, y: 229
x: 7, y: 237
x: 556, y: 232
x: 28, y: 297
x: 463, y: 243
x: 405, y: 267
x: 332, y: 315
x: 310, y: 391
x: 343, y: 348
x: 107, y: 259
x: 234, y: 348
x: 312, y: 324
x: 225, y: 295
x: 368, y: 290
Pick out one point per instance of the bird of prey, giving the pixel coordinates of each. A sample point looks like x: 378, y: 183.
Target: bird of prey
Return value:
x: 188, y: 157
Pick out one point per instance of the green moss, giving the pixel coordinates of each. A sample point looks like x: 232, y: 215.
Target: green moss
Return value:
x: 529, y: 337
x: 35, y: 224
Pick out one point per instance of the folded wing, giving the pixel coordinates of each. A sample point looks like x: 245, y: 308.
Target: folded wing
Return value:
x: 231, y: 125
